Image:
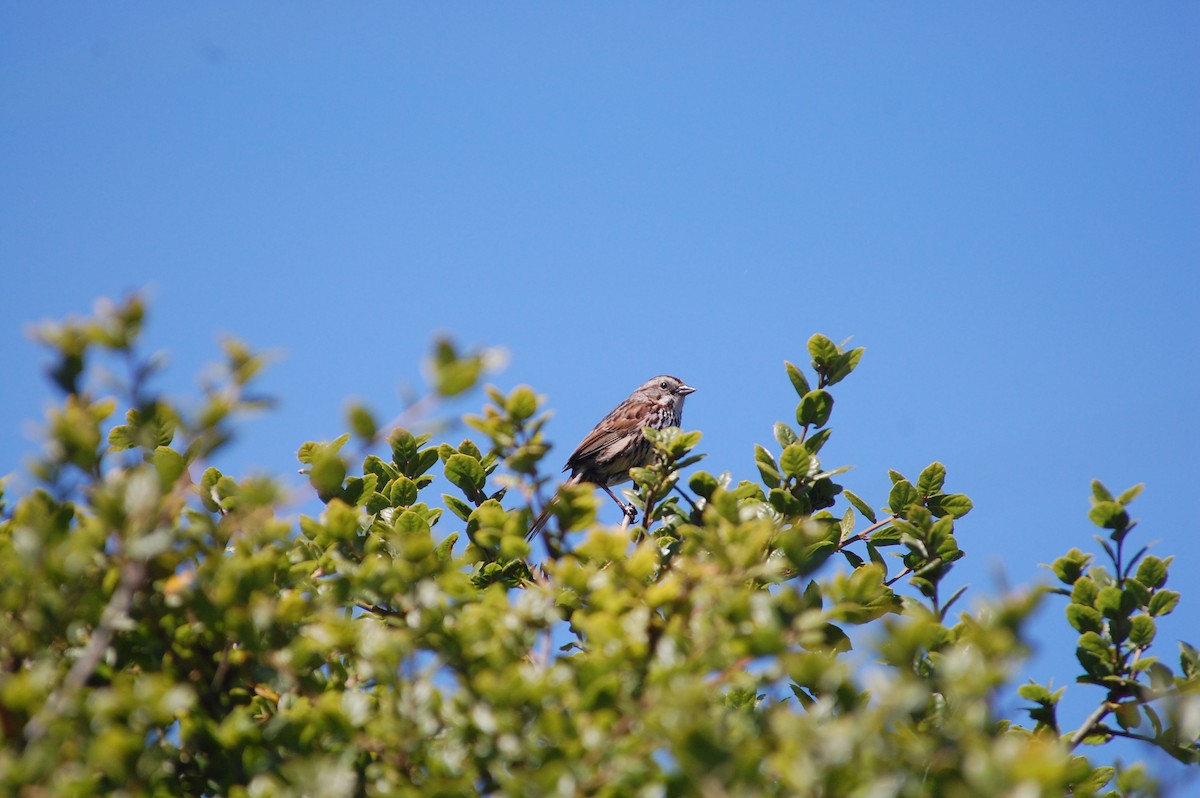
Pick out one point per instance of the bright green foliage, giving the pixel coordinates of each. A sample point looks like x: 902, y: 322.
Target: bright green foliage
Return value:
x: 168, y: 629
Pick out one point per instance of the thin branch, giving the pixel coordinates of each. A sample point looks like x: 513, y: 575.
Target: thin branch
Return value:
x: 1089, y: 725
x: 863, y: 535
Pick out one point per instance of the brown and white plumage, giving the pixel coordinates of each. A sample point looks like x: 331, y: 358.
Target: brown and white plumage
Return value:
x: 617, y: 443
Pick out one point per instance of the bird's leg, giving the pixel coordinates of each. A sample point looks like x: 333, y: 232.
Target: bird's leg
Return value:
x: 629, y: 510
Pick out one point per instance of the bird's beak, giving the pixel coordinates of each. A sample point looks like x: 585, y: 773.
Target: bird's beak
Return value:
x: 684, y: 390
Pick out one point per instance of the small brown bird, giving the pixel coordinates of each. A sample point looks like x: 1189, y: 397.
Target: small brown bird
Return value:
x: 617, y: 444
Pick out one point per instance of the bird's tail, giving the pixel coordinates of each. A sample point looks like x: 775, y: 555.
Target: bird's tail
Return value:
x: 544, y: 515
x: 540, y: 521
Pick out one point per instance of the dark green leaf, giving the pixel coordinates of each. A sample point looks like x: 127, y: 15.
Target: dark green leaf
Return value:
x: 863, y: 508
x: 1152, y: 572
x: 843, y: 364
x: 902, y: 496
x: 1084, y: 619
x: 767, y: 467
x: 814, y: 408
x: 814, y: 442
x: 798, y: 380
x: 955, y: 505
x: 1189, y: 661
x: 1111, y: 601
x: 702, y: 484
x: 1094, y: 655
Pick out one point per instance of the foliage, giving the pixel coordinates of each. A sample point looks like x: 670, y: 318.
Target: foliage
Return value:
x: 167, y: 629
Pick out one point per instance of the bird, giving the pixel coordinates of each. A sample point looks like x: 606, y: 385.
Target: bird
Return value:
x: 618, y: 444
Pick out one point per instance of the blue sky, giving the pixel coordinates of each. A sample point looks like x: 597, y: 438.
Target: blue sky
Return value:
x: 1001, y: 202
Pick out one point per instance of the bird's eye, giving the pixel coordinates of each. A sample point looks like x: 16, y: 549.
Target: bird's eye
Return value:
x: 663, y: 385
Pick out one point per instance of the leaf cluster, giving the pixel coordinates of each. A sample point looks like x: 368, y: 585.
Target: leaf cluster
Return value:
x: 170, y: 629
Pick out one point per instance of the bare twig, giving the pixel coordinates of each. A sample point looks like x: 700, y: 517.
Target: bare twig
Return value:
x: 1091, y: 723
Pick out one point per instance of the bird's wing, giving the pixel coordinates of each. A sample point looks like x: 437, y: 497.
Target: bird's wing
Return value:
x: 608, y: 432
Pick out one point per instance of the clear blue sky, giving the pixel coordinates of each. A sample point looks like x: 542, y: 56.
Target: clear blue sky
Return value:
x: 1000, y: 201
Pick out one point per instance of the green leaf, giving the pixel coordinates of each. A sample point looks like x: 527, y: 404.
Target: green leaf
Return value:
x: 362, y: 422
x: 834, y: 640
x: 404, y: 447
x: 1163, y: 602
x: 170, y: 465
x: 1139, y: 594
x: 814, y: 442
x: 1141, y: 632
x: 703, y: 484
x: 798, y: 380
x: 1127, y: 715
x: 822, y: 350
x: 795, y: 461
x: 1084, y: 619
x: 1099, y: 492
x: 1094, y: 655
x: 1109, y: 515
x: 843, y: 364
x: 120, y: 438
x: 767, y: 467
x: 1152, y: 572
x: 863, y: 508
x: 931, y: 480
x: 788, y: 504
x: 784, y: 434
x: 403, y: 492
x: 1131, y: 494
x: 457, y: 506
x: 445, y: 550
x: 424, y: 461
x: 521, y: 404
x: 465, y: 473
x: 955, y: 505
x: 1034, y: 692
x: 815, y: 408
x: 1069, y: 567
x: 208, y: 481
x: 327, y: 473
x: 1111, y: 602
x: 452, y: 373
x: 1084, y: 592
x: 1189, y: 661
x: 902, y: 496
